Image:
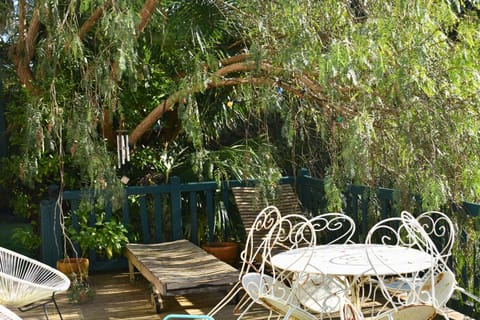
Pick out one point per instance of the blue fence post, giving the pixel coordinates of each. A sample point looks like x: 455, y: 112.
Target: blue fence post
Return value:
x: 50, y: 228
x: 302, y: 193
x: 176, y: 202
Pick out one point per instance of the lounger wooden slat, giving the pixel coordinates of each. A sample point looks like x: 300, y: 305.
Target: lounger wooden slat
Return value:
x: 250, y: 202
x: 179, y: 267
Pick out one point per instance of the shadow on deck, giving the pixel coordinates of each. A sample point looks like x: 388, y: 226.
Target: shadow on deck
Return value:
x: 118, y: 299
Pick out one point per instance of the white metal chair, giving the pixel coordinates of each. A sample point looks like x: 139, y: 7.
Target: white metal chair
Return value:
x: 433, y: 233
x: 276, y: 288
x: 26, y: 283
x: 442, y: 231
x: 320, y: 293
x: 435, y: 289
x: 394, y: 285
x: 252, y: 256
x: 436, y: 232
x: 7, y: 314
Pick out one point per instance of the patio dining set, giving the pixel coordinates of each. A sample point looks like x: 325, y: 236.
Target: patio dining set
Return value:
x: 297, y: 267
x: 309, y: 268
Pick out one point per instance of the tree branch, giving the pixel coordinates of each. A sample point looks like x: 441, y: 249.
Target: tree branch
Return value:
x: 22, y: 25
x: 238, y: 58
x: 32, y: 35
x: 314, y: 91
x: 145, y: 14
x: 23, y: 50
x: 92, y: 20
x: 152, y: 117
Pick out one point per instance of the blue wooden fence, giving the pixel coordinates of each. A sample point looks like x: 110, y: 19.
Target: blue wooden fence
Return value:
x: 188, y: 210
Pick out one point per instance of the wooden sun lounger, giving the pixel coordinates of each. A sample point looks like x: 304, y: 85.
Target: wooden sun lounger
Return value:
x: 179, y: 267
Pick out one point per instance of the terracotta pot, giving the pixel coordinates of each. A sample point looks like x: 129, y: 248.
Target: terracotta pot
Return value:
x: 225, y: 251
x: 79, y: 266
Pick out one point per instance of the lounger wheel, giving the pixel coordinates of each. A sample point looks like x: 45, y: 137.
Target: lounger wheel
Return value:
x: 157, y: 302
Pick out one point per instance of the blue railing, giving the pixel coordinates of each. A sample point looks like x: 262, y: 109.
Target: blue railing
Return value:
x: 188, y: 210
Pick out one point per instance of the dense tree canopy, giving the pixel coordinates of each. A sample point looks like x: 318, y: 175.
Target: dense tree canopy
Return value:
x: 381, y: 93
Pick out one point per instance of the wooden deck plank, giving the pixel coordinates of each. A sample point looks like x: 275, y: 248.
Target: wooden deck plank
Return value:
x: 119, y: 299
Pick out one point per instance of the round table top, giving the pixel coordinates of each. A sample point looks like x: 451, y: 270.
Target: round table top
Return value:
x: 353, y: 260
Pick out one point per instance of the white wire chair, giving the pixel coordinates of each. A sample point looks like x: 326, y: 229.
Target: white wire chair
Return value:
x: 320, y: 293
x: 442, y: 231
x: 26, y: 283
x: 431, y: 232
x: 437, y: 286
x: 395, y: 285
x: 273, y: 287
x: 251, y: 257
x: 7, y: 314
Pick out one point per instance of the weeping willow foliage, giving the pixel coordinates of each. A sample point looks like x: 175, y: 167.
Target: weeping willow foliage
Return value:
x: 77, y: 85
x: 398, y: 86
x: 380, y: 93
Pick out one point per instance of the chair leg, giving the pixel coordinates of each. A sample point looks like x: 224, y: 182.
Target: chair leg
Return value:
x: 56, y: 307
x: 231, y: 295
x: 44, y: 306
x: 240, y: 303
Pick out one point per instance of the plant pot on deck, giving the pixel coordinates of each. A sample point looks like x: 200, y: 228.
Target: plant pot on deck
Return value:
x: 225, y: 251
x: 77, y: 266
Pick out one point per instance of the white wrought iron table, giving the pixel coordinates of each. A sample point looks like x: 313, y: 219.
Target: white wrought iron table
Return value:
x: 353, y: 262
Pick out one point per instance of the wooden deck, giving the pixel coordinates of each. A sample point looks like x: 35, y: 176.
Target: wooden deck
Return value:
x: 118, y: 299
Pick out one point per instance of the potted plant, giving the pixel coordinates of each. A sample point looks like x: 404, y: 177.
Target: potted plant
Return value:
x: 80, y: 291
x: 91, y: 232
x: 225, y: 249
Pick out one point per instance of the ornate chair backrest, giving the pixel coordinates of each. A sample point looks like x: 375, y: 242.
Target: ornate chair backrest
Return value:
x: 441, y: 230
x: 293, y: 231
x: 257, y: 239
x: 391, y: 231
x: 423, y: 228
x: 333, y: 228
